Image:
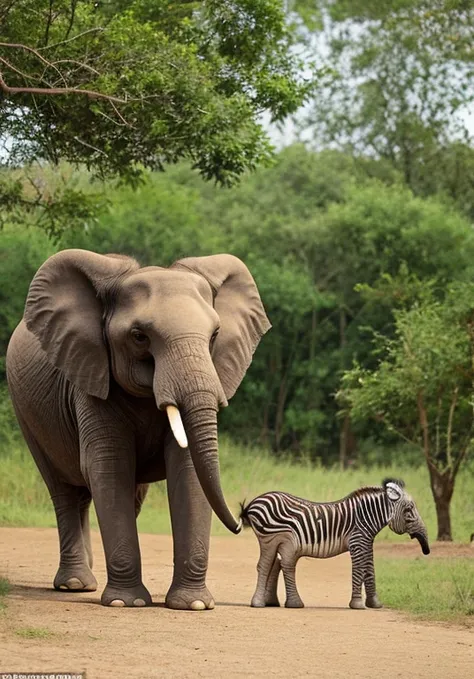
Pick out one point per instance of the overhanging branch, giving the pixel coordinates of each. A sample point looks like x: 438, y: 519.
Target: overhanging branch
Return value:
x: 52, y: 91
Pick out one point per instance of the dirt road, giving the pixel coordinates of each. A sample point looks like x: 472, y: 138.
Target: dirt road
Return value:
x: 324, y: 640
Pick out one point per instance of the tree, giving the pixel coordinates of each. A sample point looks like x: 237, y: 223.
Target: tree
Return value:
x: 399, y: 88
x: 130, y: 84
x: 422, y: 388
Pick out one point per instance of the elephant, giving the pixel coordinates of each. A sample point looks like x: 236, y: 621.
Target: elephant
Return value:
x: 113, y: 368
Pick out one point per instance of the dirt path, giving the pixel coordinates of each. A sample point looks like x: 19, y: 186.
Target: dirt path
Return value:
x: 324, y: 640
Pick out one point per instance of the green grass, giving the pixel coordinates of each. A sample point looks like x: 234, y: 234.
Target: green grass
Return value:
x: 245, y: 473
x: 435, y: 589
x: 4, y: 589
x: 34, y: 633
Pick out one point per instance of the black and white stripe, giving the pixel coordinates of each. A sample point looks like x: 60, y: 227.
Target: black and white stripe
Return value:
x: 289, y: 527
x: 320, y: 530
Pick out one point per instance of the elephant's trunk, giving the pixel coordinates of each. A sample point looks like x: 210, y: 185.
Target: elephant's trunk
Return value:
x: 200, y: 423
x: 422, y: 538
x: 191, y: 383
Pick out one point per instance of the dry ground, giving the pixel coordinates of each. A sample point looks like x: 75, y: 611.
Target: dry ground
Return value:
x: 43, y: 630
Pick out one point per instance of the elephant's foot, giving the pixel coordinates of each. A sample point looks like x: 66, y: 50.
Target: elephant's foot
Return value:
x: 189, y: 599
x: 131, y: 597
x: 258, y: 601
x: 373, y: 602
x: 75, y: 579
x: 294, y: 602
x: 356, y: 603
x: 268, y: 600
x: 272, y: 601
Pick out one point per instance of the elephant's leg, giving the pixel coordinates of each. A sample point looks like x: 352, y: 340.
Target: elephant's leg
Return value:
x: 74, y: 572
x: 108, y: 462
x: 371, y: 600
x: 84, y: 504
x: 288, y: 566
x: 265, y: 566
x: 191, y: 526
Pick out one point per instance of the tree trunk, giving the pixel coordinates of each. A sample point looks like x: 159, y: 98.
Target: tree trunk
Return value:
x: 444, y: 519
x: 442, y: 487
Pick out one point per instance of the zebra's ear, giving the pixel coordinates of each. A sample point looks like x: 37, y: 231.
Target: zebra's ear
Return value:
x: 394, y: 489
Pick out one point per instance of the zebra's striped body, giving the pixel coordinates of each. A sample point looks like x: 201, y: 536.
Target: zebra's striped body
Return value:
x: 289, y: 527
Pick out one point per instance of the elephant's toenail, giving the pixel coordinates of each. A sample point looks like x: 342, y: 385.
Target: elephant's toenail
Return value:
x: 211, y: 604
x: 63, y: 587
x: 198, y: 605
x: 74, y: 583
x: 139, y: 602
x: 117, y: 603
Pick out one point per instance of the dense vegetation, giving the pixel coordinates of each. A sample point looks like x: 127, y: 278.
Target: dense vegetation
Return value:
x: 126, y: 84
x: 311, y: 229
x: 360, y: 239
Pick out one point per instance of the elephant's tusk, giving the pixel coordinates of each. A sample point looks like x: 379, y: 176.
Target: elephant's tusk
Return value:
x: 177, y: 426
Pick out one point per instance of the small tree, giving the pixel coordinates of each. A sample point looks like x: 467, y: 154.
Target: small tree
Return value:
x: 422, y: 388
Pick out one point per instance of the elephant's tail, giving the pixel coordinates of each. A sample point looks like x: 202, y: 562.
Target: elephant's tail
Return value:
x: 244, y: 514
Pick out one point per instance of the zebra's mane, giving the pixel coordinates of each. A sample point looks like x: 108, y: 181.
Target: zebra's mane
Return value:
x: 366, y: 490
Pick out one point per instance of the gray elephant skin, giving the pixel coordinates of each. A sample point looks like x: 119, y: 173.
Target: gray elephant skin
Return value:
x: 117, y: 373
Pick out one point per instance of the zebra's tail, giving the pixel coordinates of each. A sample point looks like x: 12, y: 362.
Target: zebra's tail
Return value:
x: 244, y: 514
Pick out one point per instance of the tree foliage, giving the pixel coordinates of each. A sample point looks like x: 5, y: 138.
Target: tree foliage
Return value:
x: 422, y: 388
x: 400, y: 88
x: 311, y: 228
x: 127, y: 84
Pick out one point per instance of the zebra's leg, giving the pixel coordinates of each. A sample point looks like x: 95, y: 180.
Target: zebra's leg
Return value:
x: 268, y: 555
x: 289, y: 558
x: 359, y: 557
x: 271, y: 590
x: 372, y: 600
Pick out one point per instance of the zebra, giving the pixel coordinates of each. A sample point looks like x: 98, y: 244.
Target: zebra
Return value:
x: 288, y: 527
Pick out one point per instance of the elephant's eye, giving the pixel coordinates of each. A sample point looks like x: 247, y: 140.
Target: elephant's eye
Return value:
x: 139, y: 337
x: 213, y: 338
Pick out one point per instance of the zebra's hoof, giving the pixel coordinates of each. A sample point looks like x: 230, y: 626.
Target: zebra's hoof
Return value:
x: 373, y: 602
x: 356, y: 604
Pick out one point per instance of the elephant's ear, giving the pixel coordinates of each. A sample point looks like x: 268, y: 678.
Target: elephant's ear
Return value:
x: 243, y: 318
x: 64, y: 309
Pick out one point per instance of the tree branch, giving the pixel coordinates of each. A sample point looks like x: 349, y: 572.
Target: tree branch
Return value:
x: 49, y: 22
x: 91, y: 94
x: 71, y: 20
x: 89, y: 146
x: 16, y: 70
x: 77, y: 63
x: 74, y: 37
x: 26, y: 48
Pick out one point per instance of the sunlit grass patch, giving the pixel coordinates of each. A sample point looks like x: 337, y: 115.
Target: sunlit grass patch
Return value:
x: 437, y: 589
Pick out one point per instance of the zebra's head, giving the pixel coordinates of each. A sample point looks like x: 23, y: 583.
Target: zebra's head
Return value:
x: 405, y: 516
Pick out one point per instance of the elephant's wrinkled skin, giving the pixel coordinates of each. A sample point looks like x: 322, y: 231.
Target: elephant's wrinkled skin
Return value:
x: 104, y: 347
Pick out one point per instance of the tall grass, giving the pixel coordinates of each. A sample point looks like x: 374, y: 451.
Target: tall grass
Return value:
x: 245, y: 472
